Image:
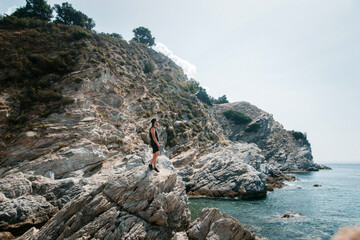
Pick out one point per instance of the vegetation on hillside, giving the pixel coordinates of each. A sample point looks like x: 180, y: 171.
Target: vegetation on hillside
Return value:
x: 41, y: 57
x: 36, y: 57
x: 237, y: 117
x: 298, y: 135
x: 253, y: 127
x: 66, y: 14
x: 143, y: 35
x: 36, y: 9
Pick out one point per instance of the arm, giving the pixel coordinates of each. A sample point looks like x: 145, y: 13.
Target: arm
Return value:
x: 153, y: 136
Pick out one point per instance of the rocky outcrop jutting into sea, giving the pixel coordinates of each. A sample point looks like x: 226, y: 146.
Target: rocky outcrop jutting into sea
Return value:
x: 279, y: 147
x: 137, y: 204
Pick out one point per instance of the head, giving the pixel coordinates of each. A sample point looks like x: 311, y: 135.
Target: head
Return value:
x: 154, y: 122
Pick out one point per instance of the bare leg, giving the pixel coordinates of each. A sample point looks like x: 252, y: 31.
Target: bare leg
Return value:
x: 153, y: 161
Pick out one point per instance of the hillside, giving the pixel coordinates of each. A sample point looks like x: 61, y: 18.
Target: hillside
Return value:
x: 75, y: 109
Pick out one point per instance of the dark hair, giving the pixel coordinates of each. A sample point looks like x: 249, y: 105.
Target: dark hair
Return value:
x: 153, y: 121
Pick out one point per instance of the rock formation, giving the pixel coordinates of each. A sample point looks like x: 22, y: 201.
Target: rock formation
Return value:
x: 74, y: 120
x: 212, y: 224
x: 137, y: 204
x: 233, y: 171
x: 278, y: 145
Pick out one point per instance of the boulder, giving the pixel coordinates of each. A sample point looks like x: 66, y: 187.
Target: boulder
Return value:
x: 212, y: 224
x: 15, y: 185
x: 23, y: 211
x: 229, y: 172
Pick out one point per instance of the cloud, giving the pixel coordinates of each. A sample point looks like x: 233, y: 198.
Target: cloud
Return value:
x: 10, y: 10
x: 189, y: 69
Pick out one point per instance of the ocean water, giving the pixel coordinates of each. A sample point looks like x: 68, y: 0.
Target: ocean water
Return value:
x: 325, y: 209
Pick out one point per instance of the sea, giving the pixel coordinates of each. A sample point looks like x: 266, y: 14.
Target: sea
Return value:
x: 318, y: 212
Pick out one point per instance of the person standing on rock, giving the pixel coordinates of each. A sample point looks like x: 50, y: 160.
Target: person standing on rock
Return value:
x: 154, y: 138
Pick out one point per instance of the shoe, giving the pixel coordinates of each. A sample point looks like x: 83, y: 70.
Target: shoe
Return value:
x: 151, y: 166
x: 156, y: 169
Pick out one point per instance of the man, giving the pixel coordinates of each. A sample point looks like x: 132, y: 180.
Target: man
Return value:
x: 154, y: 138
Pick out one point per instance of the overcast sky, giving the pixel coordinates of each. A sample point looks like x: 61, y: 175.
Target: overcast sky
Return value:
x: 298, y: 60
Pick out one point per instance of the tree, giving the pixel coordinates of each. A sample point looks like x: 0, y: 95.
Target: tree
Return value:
x: 193, y: 85
x: 38, y: 9
x: 116, y: 35
x: 203, y: 96
x: 143, y: 35
x: 66, y: 14
x: 221, y: 100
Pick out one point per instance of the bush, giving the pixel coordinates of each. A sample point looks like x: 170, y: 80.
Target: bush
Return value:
x: 46, y: 95
x: 149, y: 67
x: 18, y: 120
x: 116, y: 35
x: 78, y: 80
x: 171, y: 137
x: 80, y: 33
x: 221, y: 100
x: 298, y: 135
x: 203, y: 96
x: 23, y: 22
x: 237, y: 117
x: 253, y: 127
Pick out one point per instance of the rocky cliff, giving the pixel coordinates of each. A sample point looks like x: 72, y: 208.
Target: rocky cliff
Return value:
x: 75, y: 108
x: 279, y: 146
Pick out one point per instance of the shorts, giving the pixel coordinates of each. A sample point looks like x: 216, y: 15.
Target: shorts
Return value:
x: 155, y: 148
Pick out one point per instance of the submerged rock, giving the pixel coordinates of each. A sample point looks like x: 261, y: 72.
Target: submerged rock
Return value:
x: 290, y: 215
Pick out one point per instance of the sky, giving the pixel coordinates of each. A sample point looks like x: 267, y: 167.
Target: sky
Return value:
x: 296, y: 59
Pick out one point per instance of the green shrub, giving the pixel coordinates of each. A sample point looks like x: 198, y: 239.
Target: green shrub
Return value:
x: 171, y: 137
x: 47, y: 113
x: 46, y: 95
x: 253, y: 127
x: 203, y: 96
x: 80, y: 33
x: 220, y: 100
x: 192, y: 85
x: 237, y: 117
x: 149, y: 67
x: 77, y: 79
x: 67, y: 100
x: 23, y: 22
x: 298, y: 135
x: 18, y: 120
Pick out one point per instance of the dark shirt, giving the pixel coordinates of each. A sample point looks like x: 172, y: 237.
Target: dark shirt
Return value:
x: 151, y: 137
